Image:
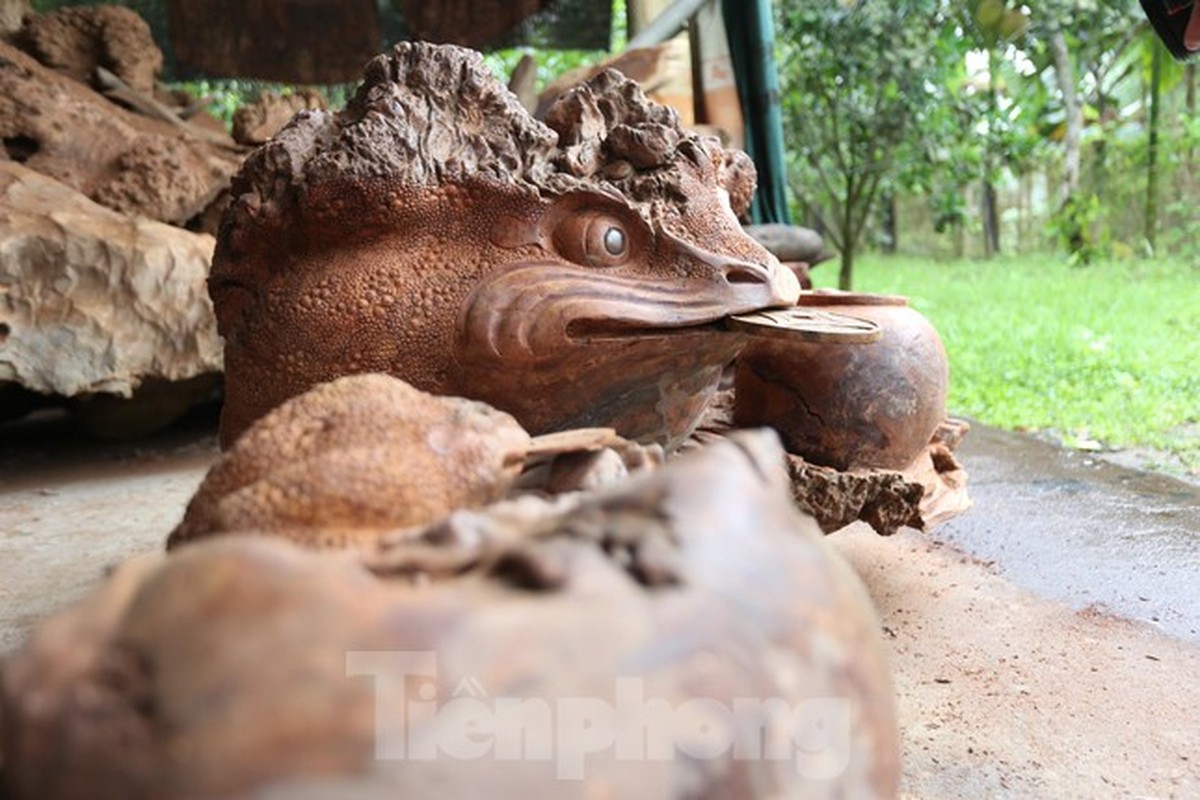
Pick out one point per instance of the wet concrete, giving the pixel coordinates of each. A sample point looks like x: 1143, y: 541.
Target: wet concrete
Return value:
x: 1068, y: 525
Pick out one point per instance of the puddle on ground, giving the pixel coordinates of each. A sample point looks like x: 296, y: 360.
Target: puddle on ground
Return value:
x: 1083, y: 530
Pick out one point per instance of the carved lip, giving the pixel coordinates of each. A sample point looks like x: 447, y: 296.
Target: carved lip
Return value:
x: 592, y: 330
x: 535, y: 309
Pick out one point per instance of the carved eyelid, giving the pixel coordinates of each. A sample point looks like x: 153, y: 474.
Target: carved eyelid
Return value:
x: 596, y: 203
x: 574, y: 229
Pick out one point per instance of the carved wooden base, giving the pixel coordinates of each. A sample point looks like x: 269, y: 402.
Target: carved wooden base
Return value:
x: 929, y: 491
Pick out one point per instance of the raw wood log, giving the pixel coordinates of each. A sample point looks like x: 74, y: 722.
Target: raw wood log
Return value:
x: 259, y: 120
x: 790, y: 242
x: 11, y: 14
x: 523, y: 82
x: 93, y: 300
x: 120, y: 159
x: 145, y: 103
x: 77, y: 40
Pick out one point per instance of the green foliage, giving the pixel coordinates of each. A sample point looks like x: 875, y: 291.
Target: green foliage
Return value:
x: 949, y: 209
x: 550, y: 63
x: 987, y: 99
x: 1077, y: 225
x: 1185, y: 234
x: 989, y: 109
x: 1099, y: 357
x: 226, y: 96
x: 856, y: 78
x: 996, y: 22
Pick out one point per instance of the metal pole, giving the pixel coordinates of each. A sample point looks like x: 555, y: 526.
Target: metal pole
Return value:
x: 666, y: 24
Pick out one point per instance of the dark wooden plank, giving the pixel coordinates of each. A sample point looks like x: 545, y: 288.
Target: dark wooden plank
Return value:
x: 295, y: 41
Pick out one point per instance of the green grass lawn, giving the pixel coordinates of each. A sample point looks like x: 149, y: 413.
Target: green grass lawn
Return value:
x: 1101, y: 356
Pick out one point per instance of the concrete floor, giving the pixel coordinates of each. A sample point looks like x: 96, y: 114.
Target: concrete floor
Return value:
x: 70, y: 507
x: 1044, y: 645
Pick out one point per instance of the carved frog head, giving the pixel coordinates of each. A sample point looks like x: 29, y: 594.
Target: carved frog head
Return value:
x: 571, y: 273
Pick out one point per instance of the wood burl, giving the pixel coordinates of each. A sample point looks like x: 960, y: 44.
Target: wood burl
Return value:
x: 572, y: 273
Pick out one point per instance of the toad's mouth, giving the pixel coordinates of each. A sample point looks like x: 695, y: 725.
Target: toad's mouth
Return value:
x: 533, y: 311
x: 583, y: 331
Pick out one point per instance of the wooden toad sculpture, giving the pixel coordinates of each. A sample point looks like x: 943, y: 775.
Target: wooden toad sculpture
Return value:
x: 571, y: 273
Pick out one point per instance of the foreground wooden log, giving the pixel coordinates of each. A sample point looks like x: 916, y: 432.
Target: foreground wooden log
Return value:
x: 336, y: 466
x: 682, y: 634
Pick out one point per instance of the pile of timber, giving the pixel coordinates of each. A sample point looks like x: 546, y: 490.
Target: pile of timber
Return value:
x: 111, y: 189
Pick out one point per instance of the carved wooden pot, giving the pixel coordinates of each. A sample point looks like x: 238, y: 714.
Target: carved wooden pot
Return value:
x: 849, y: 406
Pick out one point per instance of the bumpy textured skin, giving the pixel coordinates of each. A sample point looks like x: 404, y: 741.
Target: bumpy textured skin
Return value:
x: 355, y: 458
x: 246, y: 667
x: 437, y: 232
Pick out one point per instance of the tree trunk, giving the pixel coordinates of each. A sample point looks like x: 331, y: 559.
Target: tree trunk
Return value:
x: 891, y: 240
x: 815, y: 221
x: 1064, y: 72
x: 1151, y: 228
x: 846, y: 273
x: 991, y: 216
x: 1032, y: 235
x: 991, y: 220
x: 849, y: 240
x: 1099, y: 184
x: 1189, y: 77
x: 1022, y: 213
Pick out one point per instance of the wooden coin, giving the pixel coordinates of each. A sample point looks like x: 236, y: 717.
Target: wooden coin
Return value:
x: 806, y: 325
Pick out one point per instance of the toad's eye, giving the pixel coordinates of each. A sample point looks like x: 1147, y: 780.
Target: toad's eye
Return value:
x: 614, y: 241
x: 593, y: 238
